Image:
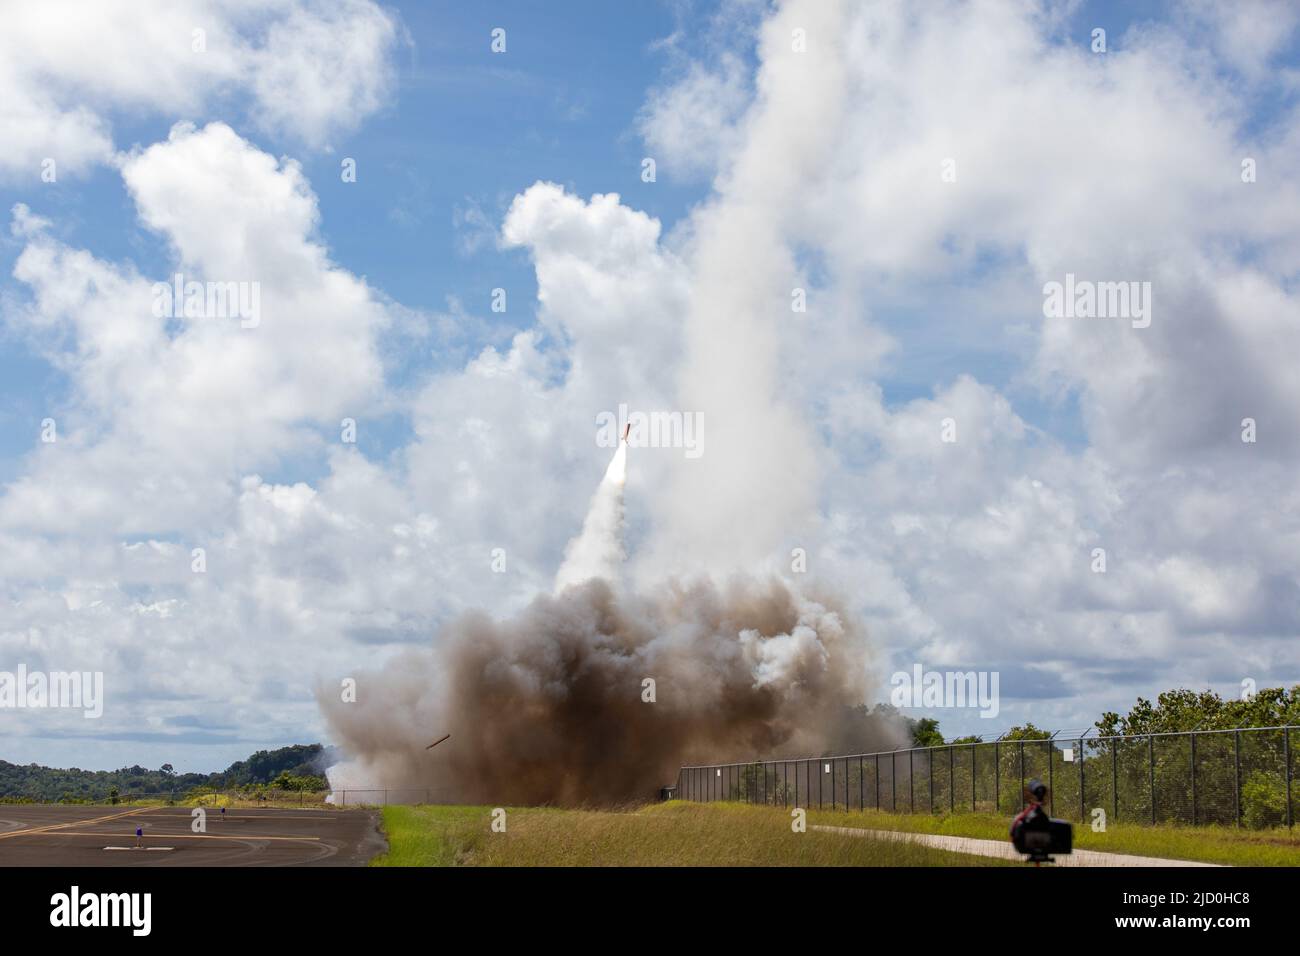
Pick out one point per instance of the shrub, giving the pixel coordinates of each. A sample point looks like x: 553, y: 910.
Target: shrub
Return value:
x: 1263, y: 800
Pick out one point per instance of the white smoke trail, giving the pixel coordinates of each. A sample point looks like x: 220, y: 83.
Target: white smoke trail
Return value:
x: 597, y: 551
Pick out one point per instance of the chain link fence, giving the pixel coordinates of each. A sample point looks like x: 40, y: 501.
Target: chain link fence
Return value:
x: 1237, y: 777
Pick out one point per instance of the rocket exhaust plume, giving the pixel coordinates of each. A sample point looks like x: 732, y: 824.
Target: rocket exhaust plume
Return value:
x: 597, y: 551
x: 595, y: 695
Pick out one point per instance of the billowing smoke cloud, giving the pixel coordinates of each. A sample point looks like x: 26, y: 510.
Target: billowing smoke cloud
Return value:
x: 597, y: 695
x: 754, y: 493
x: 551, y: 706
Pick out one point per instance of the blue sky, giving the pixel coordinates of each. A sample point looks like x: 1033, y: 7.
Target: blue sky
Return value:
x: 464, y: 132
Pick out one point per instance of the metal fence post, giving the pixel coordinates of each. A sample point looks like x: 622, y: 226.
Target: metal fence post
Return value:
x: 1114, y: 779
x: 1083, y: 814
x: 1286, y: 742
x: 1151, y: 759
x: 1192, y: 739
x: 893, y: 782
x: 862, y: 784
x: 997, y: 778
x: 1051, y: 779
x: 1237, y: 770
x: 1022, y: 775
x: 877, y: 782
x: 911, y: 780
x: 952, y: 779
x: 974, y: 749
x: 931, y: 753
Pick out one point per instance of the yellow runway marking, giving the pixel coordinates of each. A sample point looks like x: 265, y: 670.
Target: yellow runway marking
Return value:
x: 194, y: 836
x: 71, y: 823
x: 211, y: 816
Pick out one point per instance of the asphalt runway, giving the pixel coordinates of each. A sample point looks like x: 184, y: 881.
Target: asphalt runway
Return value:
x: 56, y: 835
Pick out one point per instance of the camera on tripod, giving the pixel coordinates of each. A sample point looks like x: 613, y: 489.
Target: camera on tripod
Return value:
x: 1036, y: 834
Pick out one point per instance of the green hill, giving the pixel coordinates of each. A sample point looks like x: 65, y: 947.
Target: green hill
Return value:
x: 297, y: 766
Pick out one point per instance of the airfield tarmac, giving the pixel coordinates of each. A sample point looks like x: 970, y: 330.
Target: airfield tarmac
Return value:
x: 56, y: 835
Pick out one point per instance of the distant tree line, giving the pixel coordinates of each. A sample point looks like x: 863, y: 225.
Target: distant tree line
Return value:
x: 298, y: 767
x: 1174, y: 711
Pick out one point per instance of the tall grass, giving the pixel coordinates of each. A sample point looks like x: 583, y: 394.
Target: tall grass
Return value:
x: 675, y: 834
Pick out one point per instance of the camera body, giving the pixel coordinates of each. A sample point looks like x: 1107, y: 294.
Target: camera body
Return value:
x: 1038, y: 836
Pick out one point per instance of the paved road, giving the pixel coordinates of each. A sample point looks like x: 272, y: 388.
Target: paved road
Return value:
x: 1004, y: 850
x: 45, y: 835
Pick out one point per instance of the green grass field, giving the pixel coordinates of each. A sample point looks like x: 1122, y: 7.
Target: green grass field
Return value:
x: 672, y: 834
x: 1206, y: 844
x: 731, y: 834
